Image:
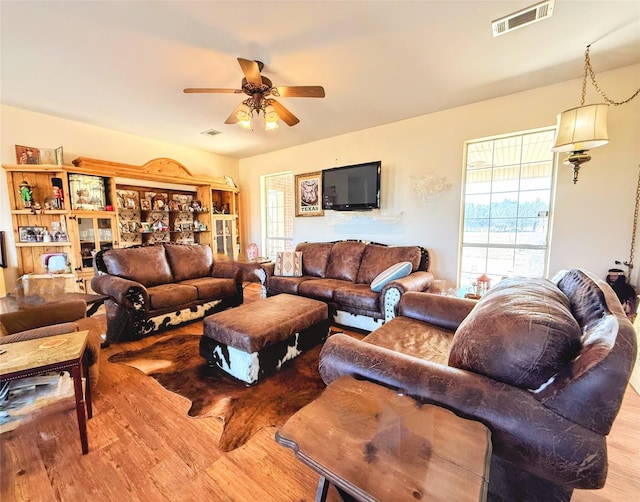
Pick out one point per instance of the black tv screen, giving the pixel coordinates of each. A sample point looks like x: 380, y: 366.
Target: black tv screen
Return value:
x: 352, y: 188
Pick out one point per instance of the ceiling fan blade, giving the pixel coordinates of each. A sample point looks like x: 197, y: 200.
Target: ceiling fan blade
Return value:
x: 285, y: 115
x: 251, y: 71
x: 301, y: 91
x: 232, y: 119
x: 189, y: 90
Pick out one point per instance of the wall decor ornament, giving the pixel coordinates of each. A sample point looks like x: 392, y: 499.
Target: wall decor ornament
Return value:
x: 428, y: 186
x: 308, y: 190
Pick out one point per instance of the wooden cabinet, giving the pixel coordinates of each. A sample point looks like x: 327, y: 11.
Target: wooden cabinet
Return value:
x: 40, y: 225
x: 225, y: 223
x: 79, y: 224
x: 147, y: 215
x: 93, y: 232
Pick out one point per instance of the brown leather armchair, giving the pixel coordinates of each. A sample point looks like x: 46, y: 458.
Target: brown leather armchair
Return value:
x: 543, y: 364
x: 52, y: 319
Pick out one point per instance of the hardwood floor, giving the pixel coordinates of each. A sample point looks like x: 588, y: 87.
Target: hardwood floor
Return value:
x: 144, y: 447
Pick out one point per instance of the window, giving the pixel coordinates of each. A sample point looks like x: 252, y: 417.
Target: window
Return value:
x: 278, y: 211
x: 506, y: 206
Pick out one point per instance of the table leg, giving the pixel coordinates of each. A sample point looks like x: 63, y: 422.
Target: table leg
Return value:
x: 323, y: 488
x: 80, y: 410
x: 87, y: 384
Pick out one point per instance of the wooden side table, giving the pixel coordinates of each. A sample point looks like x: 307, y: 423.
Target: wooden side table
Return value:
x: 375, y: 444
x: 53, y: 353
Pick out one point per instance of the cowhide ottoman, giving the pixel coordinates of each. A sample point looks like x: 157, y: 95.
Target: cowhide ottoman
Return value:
x: 253, y: 340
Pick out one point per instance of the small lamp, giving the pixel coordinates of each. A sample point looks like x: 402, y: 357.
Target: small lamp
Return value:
x: 579, y: 130
x: 243, y: 114
x: 584, y: 127
x: 271, y: 118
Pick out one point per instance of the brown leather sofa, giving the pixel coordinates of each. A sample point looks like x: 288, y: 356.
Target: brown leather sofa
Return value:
x: 51, y: 319
x: 543, y: 364
x: 340, y: 274
x: 159, y: 286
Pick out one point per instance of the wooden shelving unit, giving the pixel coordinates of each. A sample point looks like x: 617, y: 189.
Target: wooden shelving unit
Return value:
x: 89, y: 231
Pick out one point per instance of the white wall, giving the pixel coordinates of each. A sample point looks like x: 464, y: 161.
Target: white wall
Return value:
x: 22, y: 127
x: 592, y: 224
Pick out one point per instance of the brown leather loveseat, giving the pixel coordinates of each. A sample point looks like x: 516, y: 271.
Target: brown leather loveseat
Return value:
x: 543, y: 364
x: 341, y: 274
x: 155, y: 287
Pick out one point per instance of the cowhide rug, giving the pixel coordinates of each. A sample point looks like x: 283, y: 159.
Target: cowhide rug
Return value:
x: 174, y: 361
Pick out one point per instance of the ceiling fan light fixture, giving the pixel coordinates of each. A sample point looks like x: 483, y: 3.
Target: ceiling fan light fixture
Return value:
x: 245, y: 124
x: 271, y: 118
x: 243, y: 113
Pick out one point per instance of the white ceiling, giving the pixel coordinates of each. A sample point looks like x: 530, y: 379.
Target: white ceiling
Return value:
x: 123, y: 65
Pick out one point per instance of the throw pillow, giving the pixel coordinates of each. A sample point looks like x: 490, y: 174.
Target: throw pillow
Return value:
x: 288, y: 264
x: 394, y: 272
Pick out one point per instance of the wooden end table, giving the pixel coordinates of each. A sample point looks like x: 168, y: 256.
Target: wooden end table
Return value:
x: 53, y: 353
x: 376, y: 444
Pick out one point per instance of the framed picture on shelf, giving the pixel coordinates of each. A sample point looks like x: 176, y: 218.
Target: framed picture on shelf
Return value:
x: 27, y: 155
x: 127, y: 199
x: 59, y: 156
x: 47, y: 156
x: 87, y: 192
x: 146, y: 226
x: 31, y: 233
x: 308, y: 189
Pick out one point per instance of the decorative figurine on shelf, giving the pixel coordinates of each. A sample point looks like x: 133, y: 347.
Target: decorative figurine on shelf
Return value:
x: 58, y: 196
x: 26, y: 194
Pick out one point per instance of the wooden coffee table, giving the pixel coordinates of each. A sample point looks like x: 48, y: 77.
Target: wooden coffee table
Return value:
x: 53, y: 353
x: 376, y: 444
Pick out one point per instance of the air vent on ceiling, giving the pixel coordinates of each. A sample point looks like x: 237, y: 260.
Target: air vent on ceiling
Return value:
x: 210, y: 132
x: 523, y: 17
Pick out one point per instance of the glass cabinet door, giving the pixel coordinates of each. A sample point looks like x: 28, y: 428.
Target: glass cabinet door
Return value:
x: 224, y: 237
x: 95, y: 234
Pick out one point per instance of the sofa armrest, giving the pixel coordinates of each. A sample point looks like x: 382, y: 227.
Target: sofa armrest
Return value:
x: 444, y: 311
x: 392, y: 292
x: 228, y: 269
x: 41, y: 332
x: 123, y: 292
x: 524, y: 432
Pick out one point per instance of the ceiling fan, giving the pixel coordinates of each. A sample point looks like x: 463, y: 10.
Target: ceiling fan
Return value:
x: 260, y: 89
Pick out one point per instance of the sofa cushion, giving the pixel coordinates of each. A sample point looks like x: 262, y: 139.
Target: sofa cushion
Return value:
x: 147, y: 265
x: 521, y: 332
x: 321, y: 289
x: 358, y: 296
x: 344, y: 261
x: 188, y: 261
x: 212, y: 287
x: 414, y: 338
x: 315, y: 257
x: 392, y: 273
x: 288, y: 264
x: 377, y: 258
x: 171, y: 295
x: 289, y: 285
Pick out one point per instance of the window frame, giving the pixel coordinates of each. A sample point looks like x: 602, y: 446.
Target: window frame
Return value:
x: 287, y: 242
x: 464, y: 277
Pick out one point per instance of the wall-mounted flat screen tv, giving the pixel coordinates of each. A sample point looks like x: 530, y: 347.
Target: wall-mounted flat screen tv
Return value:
x: 352, y: 188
